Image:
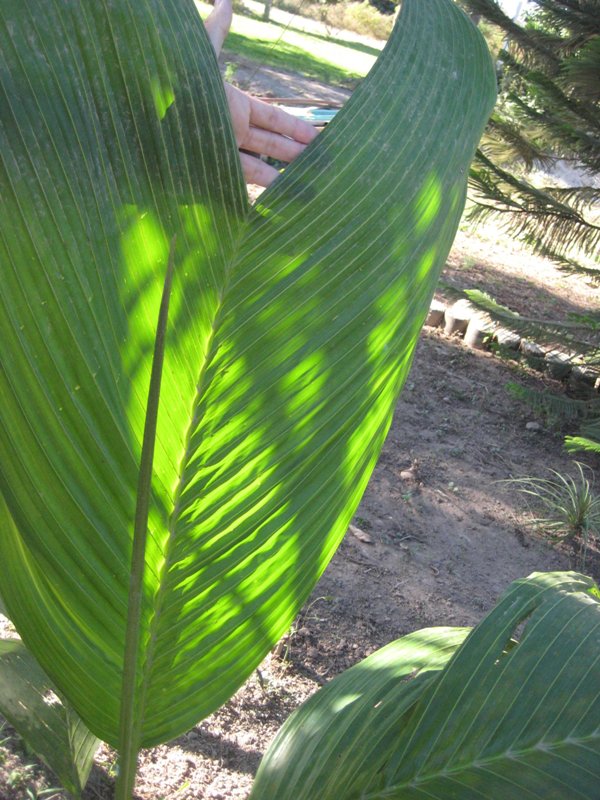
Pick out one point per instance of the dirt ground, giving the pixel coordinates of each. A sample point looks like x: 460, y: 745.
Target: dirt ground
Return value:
x: 437, y: 538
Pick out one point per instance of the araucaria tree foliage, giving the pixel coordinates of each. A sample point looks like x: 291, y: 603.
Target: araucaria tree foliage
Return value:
x: 548, y: 110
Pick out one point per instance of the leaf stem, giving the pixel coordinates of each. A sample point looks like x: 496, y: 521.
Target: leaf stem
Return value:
x: 130, y: 721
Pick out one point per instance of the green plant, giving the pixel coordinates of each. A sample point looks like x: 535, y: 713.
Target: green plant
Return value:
x: 3, y: 731
x: 588, y: 439
x: 180, y: 456
x: 452, y: 713
x: 43, y: 794
x: 564, y: 507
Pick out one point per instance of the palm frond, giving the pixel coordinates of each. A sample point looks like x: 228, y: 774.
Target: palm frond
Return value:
x: 591, y: 428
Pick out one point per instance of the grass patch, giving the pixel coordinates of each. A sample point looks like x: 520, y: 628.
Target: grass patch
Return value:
x: 314, y: 55
x: 287, y: 56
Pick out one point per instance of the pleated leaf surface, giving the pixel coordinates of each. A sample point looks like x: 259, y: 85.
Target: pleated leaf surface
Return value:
x: 501, y: 719
x: 291, y: 330
x: 337, y: 743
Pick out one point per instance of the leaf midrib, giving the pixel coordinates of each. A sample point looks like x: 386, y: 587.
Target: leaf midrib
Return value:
x: 154, y: 623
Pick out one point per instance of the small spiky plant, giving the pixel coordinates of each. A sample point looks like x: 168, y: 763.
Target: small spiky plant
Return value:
x: 565, y: 507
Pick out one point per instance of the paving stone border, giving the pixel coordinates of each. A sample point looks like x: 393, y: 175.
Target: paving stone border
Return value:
x: 479, y: 331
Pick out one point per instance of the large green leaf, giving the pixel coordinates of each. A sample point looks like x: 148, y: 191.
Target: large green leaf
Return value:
x: 50, y: 728
x: 500, y: 720
x: 292, y: 327
x: 334, y: 745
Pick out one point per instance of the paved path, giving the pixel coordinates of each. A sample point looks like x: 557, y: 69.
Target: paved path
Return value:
x: 265, y: 81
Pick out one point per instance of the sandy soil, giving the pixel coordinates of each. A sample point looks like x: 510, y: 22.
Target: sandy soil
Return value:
x: 438, y: 537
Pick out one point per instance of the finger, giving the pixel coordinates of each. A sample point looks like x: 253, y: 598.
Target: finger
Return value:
x: 239, y: 110
x: 272, y: 144
x: 218, y: 22
x: 272, y: 118
x: 256, y: 171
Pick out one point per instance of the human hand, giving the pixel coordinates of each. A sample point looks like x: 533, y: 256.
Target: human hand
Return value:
x: 257, y: 126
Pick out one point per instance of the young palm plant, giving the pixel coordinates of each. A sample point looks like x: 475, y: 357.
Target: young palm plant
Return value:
x: 195, y: 391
